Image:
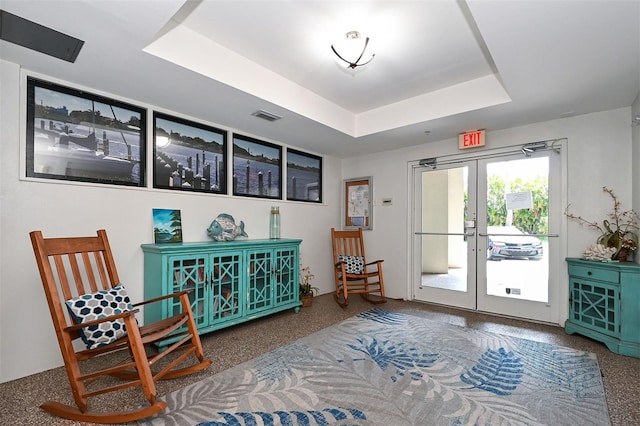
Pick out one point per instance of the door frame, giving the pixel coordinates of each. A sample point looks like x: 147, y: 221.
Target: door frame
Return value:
x: 558, y: 292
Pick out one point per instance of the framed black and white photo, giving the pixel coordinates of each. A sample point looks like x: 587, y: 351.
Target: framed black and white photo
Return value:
x: 257, y: 168
x: 75, y: 135
x: 304, y: 176
x: 188, y: 156
x: 357, y: 203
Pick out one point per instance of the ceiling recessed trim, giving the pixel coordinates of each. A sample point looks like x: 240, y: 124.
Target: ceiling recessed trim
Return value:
x: 480, y: 93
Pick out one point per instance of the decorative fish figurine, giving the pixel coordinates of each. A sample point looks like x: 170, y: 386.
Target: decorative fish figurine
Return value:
x: 224, y: 228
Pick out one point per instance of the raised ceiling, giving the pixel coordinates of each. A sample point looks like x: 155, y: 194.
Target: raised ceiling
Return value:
x: 442, y: 67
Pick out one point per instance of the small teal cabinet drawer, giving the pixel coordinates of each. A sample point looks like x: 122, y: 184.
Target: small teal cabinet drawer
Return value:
x: 594, y: 273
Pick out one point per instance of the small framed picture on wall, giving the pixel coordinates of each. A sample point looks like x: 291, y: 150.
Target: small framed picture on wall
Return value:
x: 357, y: 203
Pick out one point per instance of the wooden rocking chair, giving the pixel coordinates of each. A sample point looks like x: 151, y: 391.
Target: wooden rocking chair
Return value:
x: 80, y: 280
x: 352, y: 272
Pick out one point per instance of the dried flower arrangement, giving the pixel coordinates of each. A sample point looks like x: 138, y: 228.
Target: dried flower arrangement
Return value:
x: 619, y: 231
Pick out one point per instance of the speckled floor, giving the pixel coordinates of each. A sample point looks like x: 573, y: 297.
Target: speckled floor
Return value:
x: 19, y: 399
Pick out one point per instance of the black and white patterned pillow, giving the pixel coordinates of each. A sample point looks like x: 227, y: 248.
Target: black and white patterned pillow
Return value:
x: 93, y: 306
x: 354, y: 264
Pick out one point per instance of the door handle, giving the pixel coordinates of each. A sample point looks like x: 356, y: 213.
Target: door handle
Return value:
x: 517, y: 235
x: 459, y: 234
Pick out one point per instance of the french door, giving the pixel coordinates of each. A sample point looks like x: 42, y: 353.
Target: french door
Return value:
x: 485, y: 233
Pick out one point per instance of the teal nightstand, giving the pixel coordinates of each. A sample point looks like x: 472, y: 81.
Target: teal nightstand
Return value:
x: 604, y: 303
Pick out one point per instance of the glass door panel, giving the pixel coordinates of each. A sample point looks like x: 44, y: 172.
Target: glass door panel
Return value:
x: 447, y: 246
x: 517, y: 228
x: 514, y: 218
x: 225, y: 285
x: 189, y: 273
x: 258, y: 291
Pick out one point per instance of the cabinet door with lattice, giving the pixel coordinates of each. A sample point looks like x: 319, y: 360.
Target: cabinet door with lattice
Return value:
x: 259, y: 285
x: 595, y: 305
x: 189, y: 273
x: 286, y: 274
x: 226, y: 286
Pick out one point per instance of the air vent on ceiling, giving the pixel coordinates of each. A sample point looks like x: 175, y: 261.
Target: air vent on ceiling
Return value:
x: 37, y: 37
x: 266, y: 115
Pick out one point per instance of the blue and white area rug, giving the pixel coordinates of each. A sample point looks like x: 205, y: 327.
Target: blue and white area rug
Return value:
x: 395, y: 369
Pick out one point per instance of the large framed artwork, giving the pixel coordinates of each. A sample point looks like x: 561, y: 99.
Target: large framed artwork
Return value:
x: 188, y: 156
x: 304, y: 176
x: 357, y: 200
x: 257, y: 168
x: 75, y: 135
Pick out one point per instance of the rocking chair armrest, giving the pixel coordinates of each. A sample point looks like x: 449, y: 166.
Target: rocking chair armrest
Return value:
x: 77, y: 327
x: 340, y: 262
x: 166, y: 296
x: 374, y: 262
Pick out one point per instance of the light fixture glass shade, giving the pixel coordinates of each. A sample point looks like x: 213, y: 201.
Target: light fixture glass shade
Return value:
x: 353, y: 51
x: 162, y: 141
x: 162, y: 138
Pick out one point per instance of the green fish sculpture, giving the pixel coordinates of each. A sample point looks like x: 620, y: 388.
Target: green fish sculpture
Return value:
x: 224, y: 228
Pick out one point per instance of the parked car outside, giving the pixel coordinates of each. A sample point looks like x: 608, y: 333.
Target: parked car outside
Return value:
x: 508, y: 242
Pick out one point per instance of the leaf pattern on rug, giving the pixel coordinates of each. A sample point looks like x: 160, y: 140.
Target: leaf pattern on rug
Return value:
x: 498, y: 372
x: 569, y: 369
x: 467, y: 405
x: 381, y: 316
x: 400, y: 355
x: 277, y: 365
x: 399, y: 369
x: 287, y: 418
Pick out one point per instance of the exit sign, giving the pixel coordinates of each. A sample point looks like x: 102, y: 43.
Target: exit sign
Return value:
x: 471, y: 139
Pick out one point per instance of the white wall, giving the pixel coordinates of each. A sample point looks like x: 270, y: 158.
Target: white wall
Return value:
x: 27, y: 339
x: 599, y: 152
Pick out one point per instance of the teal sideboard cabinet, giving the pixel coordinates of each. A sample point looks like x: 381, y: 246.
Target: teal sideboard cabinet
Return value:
x: 604, y: 302
x: 231, y: 282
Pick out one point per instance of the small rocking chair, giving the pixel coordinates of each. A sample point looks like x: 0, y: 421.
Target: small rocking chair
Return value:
x: 87, y: 301
x: 352, y: 272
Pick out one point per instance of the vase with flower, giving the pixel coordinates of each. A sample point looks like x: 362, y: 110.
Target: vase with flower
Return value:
x: 619, y: 231
x: 306, y: 289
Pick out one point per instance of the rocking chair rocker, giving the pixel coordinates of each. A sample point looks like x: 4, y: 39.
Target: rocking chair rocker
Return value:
x: 352, y: 272
x: 80, y: 272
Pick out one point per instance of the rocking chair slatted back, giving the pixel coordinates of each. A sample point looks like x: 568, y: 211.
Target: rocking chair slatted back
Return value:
x: 348, y: 243
x: 76, y: 266
x: 368, y: 282
x: 70, y: 267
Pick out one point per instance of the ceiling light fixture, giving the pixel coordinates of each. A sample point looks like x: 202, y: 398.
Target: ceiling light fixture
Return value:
x: 353, y: 50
